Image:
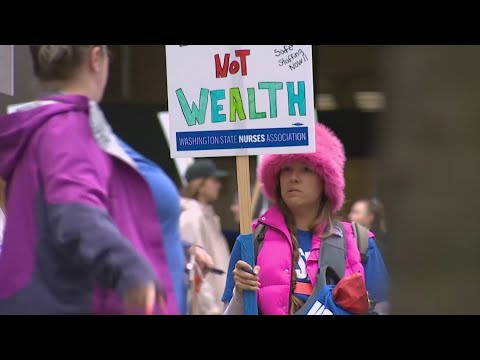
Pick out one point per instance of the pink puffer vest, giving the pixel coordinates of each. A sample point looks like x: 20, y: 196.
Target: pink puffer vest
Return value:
x: 275, y: 261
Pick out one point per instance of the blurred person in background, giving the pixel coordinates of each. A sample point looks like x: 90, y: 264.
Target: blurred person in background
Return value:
x: 200, y: 225
x: 231, y: 235
x: 167, y: 202
x: 371, y: 214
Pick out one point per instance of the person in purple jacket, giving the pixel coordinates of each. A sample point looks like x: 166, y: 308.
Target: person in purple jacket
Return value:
x: 83, y: 235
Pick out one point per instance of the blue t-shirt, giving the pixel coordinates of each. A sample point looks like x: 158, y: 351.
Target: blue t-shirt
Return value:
x: 167, y: 202
x: 304, y: 246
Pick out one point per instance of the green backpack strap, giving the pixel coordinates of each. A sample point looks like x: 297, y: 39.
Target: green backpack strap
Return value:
x: 361, y: 234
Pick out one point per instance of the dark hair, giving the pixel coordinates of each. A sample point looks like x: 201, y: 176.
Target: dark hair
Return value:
x: 57, y: 62
x: 325, y: 217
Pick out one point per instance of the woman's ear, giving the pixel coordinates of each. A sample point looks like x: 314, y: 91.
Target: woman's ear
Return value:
x: 96, y: 57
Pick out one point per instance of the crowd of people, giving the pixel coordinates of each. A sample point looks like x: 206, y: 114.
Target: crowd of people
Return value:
x: 95, y: 227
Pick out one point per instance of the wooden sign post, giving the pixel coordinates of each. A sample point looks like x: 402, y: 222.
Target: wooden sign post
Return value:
x: 244, y: 201
x: 240, y: 100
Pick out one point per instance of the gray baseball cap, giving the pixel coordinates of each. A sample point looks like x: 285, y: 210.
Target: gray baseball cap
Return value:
x: 204, y: 168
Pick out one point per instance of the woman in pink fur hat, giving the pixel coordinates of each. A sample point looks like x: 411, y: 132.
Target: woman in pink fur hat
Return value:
x: 306, y: 191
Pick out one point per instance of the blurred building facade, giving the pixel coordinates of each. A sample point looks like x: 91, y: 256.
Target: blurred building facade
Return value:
x: 349, y: 98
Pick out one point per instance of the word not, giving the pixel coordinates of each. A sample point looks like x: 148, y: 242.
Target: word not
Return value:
x: 195, y: 114
x: 221, y: 71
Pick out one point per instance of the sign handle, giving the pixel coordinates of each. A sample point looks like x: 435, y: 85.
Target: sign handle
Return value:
x: 246, y: 239
x: 244, y: 199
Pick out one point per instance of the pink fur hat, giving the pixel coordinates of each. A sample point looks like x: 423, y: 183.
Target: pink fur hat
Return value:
x: 328, y: 161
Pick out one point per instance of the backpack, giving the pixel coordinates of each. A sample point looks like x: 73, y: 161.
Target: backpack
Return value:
x: 331, y: 263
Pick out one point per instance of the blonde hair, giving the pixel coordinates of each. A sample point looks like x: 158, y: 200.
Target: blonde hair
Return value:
x: 58, y: 62
x: 325, y: 217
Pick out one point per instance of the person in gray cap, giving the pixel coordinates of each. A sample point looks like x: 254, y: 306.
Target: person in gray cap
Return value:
x: 200, y: 225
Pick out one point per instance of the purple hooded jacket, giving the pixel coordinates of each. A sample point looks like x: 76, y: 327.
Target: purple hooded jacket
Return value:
x: 82, y: 223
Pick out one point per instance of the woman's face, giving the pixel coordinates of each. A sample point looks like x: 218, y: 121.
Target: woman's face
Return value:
x: 359, y: 213
x: 300, y: 186
x: 210, y: 190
